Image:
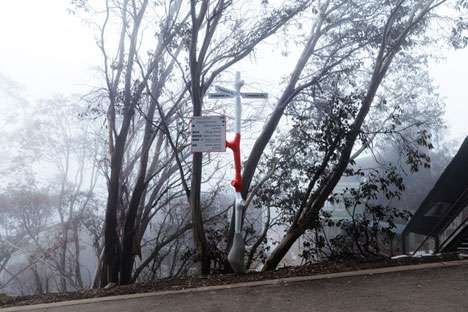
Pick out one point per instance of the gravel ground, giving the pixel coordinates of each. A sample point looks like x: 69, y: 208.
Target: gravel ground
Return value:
x: 436, y: 289
x: 183, y: 283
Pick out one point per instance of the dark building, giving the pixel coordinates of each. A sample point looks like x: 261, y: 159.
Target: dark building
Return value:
x: 442, y: 217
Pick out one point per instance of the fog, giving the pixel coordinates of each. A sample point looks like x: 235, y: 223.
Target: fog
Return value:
x: 51, y: 51
x: 97, y: 143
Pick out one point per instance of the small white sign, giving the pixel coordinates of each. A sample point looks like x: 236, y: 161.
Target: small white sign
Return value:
x: 209, y: 134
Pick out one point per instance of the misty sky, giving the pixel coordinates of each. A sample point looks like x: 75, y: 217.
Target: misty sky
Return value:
x: 49, y: 51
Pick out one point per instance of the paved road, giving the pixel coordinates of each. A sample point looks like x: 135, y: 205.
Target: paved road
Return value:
x: 439, y: 290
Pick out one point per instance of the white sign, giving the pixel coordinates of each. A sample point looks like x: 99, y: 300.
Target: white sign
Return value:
x: 226, y: 91
x: 209, y: 134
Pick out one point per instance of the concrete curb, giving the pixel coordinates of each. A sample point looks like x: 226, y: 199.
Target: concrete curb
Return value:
x: 274, y: 282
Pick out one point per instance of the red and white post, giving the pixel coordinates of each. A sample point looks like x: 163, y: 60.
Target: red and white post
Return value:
x: 236, y: 254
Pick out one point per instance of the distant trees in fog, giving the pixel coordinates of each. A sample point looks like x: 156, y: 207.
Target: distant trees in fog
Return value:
x: 113, y: 169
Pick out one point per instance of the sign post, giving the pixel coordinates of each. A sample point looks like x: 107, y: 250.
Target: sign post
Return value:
x: 208, y: 134
x: 236, y: 254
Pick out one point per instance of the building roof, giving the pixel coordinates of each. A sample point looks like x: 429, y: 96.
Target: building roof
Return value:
x: 443, y: 201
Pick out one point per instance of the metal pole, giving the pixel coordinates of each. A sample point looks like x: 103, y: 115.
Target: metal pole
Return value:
x: 236, y: 254
x: 238, y: 200
x: 238, y: 85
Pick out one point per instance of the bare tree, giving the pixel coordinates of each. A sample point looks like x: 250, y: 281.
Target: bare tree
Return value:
x: 146, y: 126
x: 217, y: 42
x: 55, y: 137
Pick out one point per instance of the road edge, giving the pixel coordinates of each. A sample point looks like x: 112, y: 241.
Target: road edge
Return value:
x: 272, y: 282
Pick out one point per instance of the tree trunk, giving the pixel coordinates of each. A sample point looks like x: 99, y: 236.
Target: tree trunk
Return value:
x: 287, y: 96
x: 97, y: 273
x: 129, y: 237
x: 110, y: 266
x: 280, y: 251
x: 197, y: 103
x: 37, y: 279
x: 76, y: 238
x: 63, y: 257
x: 197, y: 217
x: 130, y: 230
